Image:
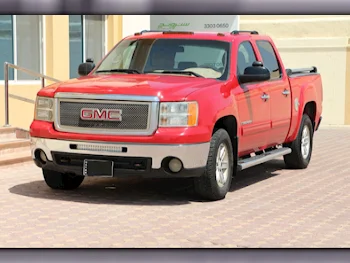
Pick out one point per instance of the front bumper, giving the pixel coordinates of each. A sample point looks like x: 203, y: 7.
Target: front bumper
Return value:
x: 146, y: 160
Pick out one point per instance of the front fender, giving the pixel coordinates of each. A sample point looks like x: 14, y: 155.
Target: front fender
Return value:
x: 214, y: 104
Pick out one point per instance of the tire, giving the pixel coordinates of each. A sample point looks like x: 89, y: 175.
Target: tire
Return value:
x: 210, y: 186
x: 61, y: 181
x: 298, y: 158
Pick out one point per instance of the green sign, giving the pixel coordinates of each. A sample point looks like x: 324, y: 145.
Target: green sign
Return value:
x: 172, y: 26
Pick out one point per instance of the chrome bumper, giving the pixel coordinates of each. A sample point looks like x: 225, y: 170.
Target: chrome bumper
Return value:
x: 191, y: 155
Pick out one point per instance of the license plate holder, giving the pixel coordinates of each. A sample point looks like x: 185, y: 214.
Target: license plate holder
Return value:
x: 100, y: 168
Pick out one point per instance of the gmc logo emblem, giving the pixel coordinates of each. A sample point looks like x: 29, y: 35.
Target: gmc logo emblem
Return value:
x: 100, y: 115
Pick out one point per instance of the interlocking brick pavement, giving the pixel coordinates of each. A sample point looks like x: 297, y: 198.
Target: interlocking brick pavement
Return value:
x: 269, y: 206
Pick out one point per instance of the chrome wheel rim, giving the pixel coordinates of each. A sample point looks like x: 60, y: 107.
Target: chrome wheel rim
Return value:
x: 222, y: 165
x: 305, y: 142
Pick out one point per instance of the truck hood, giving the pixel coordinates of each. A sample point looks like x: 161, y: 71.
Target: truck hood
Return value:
x: 166, y: 87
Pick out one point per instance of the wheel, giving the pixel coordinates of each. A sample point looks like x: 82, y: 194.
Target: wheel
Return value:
x: 301, y: 147
x: 56, y: 180
x: 216, y: 180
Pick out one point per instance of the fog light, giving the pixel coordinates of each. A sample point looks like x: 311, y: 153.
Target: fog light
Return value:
x: 43, y: 157
x: 175, y: 165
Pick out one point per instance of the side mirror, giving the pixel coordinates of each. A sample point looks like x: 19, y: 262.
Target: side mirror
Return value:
x: 257, y: 72
x: 85, y: 68
x: 255, y: 64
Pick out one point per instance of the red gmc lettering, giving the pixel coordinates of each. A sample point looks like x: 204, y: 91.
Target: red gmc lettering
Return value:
x: 86, y: 114
x: 103, y: 115
x: 100, y: 115
x: 114, y: 115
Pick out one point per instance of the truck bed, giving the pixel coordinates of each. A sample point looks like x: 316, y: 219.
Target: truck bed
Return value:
x: 305, y: 78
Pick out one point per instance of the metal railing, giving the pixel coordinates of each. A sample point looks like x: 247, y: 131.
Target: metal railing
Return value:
x: 7, y: 95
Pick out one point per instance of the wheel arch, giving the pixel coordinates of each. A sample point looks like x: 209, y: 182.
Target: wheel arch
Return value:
x: 310, y: 109
x: 229, y: 123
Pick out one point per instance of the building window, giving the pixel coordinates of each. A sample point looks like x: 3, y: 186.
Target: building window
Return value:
x: 21, y: 44
x: 86, y: 40
x: 75, y: 44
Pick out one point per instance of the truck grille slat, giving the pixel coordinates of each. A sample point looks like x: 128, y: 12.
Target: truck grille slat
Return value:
x: 135, y: 116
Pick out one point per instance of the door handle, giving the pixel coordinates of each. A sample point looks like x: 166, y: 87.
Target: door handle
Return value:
x: 265, y: 97
x: 286, y: 92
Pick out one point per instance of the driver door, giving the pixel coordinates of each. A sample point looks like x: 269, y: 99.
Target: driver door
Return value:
x: 253, y: 109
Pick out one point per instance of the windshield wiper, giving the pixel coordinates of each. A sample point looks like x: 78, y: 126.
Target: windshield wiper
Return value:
x: 129, y: 71
x: 180, y: 72
x: 133, y: 71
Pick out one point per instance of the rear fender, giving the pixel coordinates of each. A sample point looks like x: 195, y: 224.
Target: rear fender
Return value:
x: 301, y: 95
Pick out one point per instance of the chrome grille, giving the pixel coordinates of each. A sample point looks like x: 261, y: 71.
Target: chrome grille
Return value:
x: 135, y: 116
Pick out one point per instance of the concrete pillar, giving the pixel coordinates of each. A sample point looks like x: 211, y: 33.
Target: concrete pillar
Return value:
x: 114, y: 30
x: 57, y: 46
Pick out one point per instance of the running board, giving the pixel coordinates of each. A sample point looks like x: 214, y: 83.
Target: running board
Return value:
x: 262, y: 158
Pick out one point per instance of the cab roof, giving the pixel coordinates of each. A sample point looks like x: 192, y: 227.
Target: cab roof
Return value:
x: 223, y: 36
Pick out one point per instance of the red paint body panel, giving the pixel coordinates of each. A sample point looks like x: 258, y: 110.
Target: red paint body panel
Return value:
x: 307, y: 89
x: 167, y: 88
x: 197, y: 134
x: 260, y: 124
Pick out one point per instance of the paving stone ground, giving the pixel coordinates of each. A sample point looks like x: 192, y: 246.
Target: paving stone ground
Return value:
x: 268, y: 206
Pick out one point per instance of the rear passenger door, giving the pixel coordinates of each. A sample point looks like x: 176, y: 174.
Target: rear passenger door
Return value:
x: 278, y: 89
x: 253, y: 109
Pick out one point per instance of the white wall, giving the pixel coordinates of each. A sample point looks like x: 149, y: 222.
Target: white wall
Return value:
x: 329, y: 56
x: 135, y: 23
x: 201, y: 23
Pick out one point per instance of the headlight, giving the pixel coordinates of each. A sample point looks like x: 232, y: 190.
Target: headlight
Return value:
x: 44, y: 109
x: 178, y: 114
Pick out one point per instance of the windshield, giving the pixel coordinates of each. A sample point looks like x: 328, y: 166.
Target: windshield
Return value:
x: 199, y: 58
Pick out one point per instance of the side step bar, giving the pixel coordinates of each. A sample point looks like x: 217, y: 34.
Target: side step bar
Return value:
x: 262, y: 158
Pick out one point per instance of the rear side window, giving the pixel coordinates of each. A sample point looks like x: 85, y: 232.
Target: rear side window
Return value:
x: 269, y: 58
x: 245, y: 57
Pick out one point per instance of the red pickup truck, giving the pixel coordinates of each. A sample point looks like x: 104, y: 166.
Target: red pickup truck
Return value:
x: 177, y: 104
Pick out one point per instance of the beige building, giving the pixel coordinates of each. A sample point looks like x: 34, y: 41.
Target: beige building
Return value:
x: 51, y: 44
x: 55, y: 45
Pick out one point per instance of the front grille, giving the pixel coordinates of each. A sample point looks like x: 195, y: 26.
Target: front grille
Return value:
x: 135, y: 116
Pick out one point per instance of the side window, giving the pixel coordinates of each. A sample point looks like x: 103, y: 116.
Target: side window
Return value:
x: 245, y: 57
x: 269, y: 58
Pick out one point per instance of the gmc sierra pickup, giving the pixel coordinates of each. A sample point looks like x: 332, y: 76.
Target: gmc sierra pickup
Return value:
x: 177, y: 104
